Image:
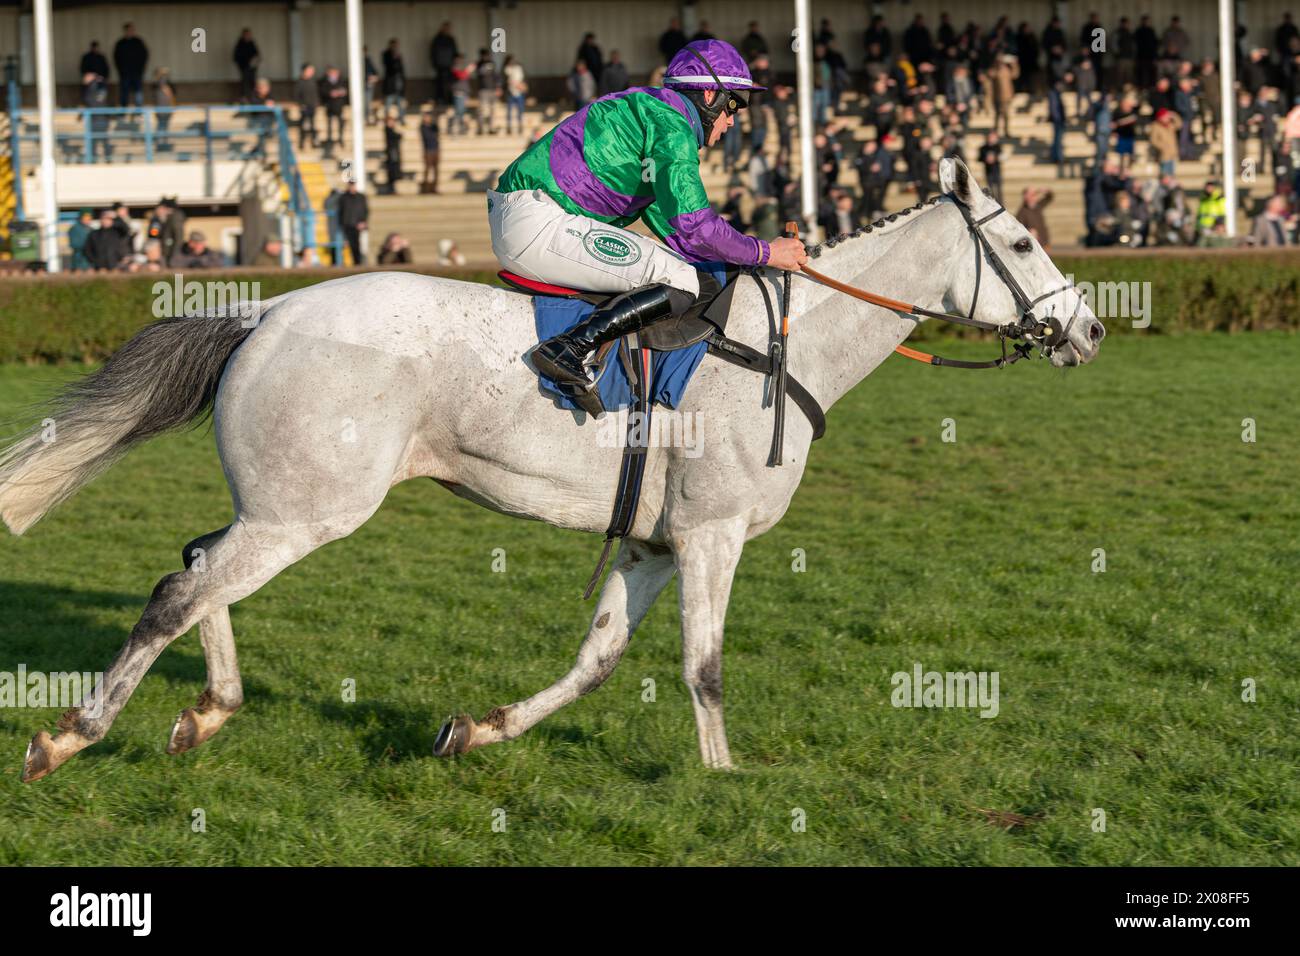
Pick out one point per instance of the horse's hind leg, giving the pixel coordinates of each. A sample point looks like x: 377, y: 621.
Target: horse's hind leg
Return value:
x: 243, y: 559
x: 639, y: 574
x: 224, y: 693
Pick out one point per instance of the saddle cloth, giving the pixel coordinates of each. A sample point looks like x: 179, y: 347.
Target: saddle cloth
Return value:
x: 670, y: 372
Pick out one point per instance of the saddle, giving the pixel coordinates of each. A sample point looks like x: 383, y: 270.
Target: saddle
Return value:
x: 705, y: 321
x: 708, y: 314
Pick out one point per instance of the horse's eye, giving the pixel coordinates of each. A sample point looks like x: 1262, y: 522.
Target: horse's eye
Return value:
x: 1023, y: 245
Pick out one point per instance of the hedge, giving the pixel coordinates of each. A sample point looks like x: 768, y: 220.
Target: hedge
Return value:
x: 85, y: 318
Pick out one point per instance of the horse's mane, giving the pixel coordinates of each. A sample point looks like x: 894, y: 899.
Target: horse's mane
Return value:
x: 882, y: 222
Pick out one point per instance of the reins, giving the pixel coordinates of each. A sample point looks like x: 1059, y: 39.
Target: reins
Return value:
x: 1028, y: 328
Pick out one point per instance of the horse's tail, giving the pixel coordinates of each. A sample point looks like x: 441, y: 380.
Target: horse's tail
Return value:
x: 164, y: 377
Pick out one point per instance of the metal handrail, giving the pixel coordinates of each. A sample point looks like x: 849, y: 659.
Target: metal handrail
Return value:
x: 153, y: 135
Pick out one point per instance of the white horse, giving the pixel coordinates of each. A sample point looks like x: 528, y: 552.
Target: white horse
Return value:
x: 343, y: 389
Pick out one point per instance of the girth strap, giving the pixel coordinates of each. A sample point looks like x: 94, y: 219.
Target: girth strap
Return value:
x: 627, y: 495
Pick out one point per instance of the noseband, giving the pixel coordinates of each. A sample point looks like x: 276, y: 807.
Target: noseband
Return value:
x: 1028, y: 331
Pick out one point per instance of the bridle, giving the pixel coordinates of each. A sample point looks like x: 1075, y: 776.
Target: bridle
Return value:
x: 1025, y: 333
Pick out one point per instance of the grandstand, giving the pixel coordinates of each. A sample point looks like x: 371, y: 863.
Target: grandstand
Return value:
x: 216, y: 155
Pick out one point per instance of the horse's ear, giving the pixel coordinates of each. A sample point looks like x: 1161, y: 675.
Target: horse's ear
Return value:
x: 955, y: 179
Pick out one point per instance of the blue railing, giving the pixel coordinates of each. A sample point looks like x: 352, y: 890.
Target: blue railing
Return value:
x: 150, y: 126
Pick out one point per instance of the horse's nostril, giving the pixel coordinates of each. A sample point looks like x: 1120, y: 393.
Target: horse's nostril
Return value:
x: 1095, y: 332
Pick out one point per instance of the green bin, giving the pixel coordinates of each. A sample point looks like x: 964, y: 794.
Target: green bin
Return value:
x: 25, y: 241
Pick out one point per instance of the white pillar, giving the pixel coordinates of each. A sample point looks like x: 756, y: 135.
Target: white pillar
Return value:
x: 357, y: 94
x: 1228, y: 124
x: 45, y: 112
x: 803, y: 64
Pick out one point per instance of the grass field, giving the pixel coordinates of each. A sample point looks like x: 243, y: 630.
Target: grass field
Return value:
x: 1119, y: 690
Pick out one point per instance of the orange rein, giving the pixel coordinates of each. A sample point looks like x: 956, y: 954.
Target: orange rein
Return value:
x: 893, y: 305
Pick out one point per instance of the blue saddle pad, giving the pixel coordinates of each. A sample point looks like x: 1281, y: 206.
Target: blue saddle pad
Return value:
x: 670, y: 372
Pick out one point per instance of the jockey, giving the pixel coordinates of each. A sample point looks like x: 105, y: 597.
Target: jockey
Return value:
x: 558, y: 212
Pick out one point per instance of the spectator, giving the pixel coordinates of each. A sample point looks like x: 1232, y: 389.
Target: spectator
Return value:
x: 354, y: 211
x: 917, y: 41
x: 991, y: 157
x: 1175, y: 41
x: 751, y: 45
x: 590, y: 54
x: 197, y: 254
x: 875, y: 168
x: 246, y: 59
x: 1164, y: 140
x: 268, y: 257
x: 1100, y: 116
x: 429, y: 142
x: 148, y: 259
x: 1145, y: 47
x: 1030, y: 215
x: 122, y: 226
x: 1210, y: 96
x: 395, y: 251
x: 334, y: 91
x: 103, y: 247
x: 614, y: 78
x: 442, y: 55
x: 1125, y: 54
x: 1056, y: 115
x: 784, y: 116
x: 307, y: 93
x: 164, y: 97
x: 671, y: 40
x: 78, y: 233
x: 1002, y: 79
x: 1273, y: 227
x: 1212, y: 211
x: 94, y: 96
x: 489, y: 91
x: 94, y: 61
x: 1125, y: 123
x: 878, y: 35
x: 703, y: 33
x: 168, y: 227
x: 392, y: 154
x: 130, y: 56
x: 394, y: 81
x: 449, y: 253
x: 582, y: 88
x: 459, y: 95
x: 373, y: 88
x: 1185, y: 108
x: 516, y: 89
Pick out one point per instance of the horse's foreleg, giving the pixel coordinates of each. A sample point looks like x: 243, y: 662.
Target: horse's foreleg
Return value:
x: 706, y: 563
x: 638, y: 575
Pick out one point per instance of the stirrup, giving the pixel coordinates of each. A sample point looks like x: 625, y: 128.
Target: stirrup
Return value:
x: 588, y: 398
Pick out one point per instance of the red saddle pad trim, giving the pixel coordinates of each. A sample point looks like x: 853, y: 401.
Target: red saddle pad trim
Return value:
x: 532, y: 285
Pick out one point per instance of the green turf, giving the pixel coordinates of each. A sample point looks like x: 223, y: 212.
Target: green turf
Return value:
x: 1120, y: 691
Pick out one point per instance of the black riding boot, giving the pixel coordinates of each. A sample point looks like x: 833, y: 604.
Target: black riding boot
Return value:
x: 561, y: 358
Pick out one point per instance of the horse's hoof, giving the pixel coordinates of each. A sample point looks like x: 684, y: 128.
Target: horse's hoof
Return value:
x: 454, y: 737
x: 194, y: 726
x: 38, y: 761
